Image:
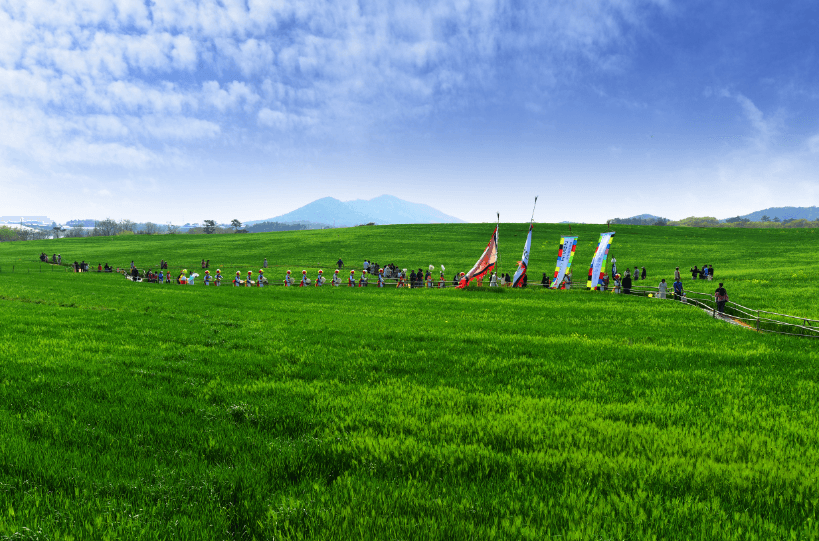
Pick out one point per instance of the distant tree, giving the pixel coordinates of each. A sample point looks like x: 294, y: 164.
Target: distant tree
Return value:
x: 7, y: 234
x: 776, y: 219
x: 105, y: 228
x: 236, y: 225
x: 127, y: 225
x: 172, y: 229
x: 733, y: 220
x: 661, y: 221
x: 150, y: 228
x: 765, y: 218
x: 57, y: 231
x: 210, y: 227
x: 76, y: 232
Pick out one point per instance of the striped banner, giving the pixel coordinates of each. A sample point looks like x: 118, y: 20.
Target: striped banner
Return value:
x: 565, y: 254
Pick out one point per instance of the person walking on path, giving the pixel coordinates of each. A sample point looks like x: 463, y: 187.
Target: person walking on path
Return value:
x: 661, y: 289
x: 303, y: 282
x: 288, y: 281
x: 340, y: 263
x: 264, y: 265
x: 320, y: 278
x: 351, y: 279
x: 678, y: 290
x: 721, y: 296
x: 336, y: 279
x: 677, y: 276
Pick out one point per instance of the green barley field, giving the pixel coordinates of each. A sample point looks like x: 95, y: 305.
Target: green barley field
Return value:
x: 147, y: 411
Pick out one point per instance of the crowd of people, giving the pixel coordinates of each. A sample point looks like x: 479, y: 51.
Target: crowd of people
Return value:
x: 404, y: 278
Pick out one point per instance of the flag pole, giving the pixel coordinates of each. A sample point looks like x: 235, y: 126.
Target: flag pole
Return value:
x: 533, y: 211
x: 497, y: 247
x: 531, y: 221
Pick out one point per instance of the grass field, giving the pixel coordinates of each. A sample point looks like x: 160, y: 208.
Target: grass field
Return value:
x: 140, y: 411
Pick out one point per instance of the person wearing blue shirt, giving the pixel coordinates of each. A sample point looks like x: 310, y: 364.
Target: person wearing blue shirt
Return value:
x: 678, y: 290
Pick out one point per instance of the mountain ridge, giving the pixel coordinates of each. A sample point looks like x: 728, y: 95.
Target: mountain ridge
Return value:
x: 382, y: 210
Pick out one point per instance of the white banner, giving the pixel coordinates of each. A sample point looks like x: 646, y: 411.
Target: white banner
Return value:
x: 565, y: 253
x: 598, y: 264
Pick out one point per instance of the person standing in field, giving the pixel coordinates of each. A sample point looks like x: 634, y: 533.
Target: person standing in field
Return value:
x: 303, y: 282
x: 351, y: 279
x: 695, y: 272
x: 643, y: 274
x: 493, y: 280
x: 678, y: 290
x: 627, y: 283
x: 616, y: 284
x: 319, y: 278
x: 710, y: 272
x: 412, y: 279
x: 287, y: 280
x: 260, y: 281
x: 677, y: 276
x: 336, y: 278
x: 264, y: 265
x: 218, y: 279
x: 340, y: 263
x: 636, y: 275
x: 613, y: 266
x: 206, y: 279
x: 661, y: 289
x: 249, y: 281
x: 721, y: 296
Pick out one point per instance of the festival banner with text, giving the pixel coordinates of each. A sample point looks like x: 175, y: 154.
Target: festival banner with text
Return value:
x: 598, y: 264
x: 565, y: 254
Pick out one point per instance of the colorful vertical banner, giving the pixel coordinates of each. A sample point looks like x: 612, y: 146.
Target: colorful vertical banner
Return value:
x: 565, y: 254
x: 484, y: 265
x: 520, y: 274
x: 598, y: 264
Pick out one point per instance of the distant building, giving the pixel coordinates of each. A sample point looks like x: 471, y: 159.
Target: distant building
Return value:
x: 26, y: 220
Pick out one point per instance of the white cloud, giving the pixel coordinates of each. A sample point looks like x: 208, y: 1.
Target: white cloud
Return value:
x: 116, y: 75
x: 283, y: 120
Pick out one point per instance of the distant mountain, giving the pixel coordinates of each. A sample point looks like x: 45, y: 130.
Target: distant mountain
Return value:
x: 382, y: 210
x: 785, y: 213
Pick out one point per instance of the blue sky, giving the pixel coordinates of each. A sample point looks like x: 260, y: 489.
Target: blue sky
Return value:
x: 248, y: 109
